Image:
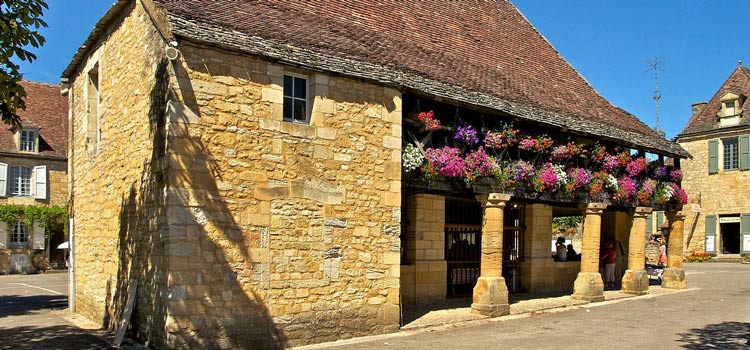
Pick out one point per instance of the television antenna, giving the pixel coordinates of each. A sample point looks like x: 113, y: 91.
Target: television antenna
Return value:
x: 655, y: 65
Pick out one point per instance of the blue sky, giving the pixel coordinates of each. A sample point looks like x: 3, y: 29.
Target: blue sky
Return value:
x: 608, y: 42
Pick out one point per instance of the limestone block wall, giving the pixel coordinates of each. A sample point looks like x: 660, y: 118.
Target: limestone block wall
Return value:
x: 723, y: 193
x: 279, y: 232
x: 118, y: 180
x: 539, y: 272
x: 425, y: 281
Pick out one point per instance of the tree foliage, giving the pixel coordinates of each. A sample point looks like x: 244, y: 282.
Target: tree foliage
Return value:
x: 20, y: 21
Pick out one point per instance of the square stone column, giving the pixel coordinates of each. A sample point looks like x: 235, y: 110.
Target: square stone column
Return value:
x: 426, y: 248
x: 635, y: 280
x: 674, y: 274
x: 588, y: 284
x: 490, y: 297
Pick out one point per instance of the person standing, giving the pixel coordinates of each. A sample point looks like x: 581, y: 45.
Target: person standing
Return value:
x: 662, y: 253
x: 609, y: 259
x: 561, y: 251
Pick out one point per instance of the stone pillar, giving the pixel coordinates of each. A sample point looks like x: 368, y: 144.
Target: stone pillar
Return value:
x: 426, y: 248
x: 490, y: 296
x: 635, y: 280
x: 674, y: 274
x: 588, y: 284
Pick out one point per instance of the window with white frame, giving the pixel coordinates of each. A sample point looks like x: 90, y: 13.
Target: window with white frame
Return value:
x: 295, y: 98
x: 19, y: 237
x: 19, y: 181
x: 28, y: 140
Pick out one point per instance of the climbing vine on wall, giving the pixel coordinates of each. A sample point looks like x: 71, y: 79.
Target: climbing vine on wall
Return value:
x: 45, y: 215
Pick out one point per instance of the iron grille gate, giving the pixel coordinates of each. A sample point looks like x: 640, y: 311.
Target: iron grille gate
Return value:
x: 463, y: 248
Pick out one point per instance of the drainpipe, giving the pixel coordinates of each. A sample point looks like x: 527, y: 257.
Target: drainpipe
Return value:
x: 67, y: 92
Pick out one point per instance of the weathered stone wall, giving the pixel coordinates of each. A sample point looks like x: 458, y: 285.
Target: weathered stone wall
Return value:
x: 426, y: 281
x: 117, y: 181
x: 280, y: 233
x: 719, y: 194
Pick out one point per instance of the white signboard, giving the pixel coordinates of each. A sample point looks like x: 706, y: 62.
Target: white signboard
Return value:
x: 729, y: 219
x: 695, y: 208
x: 710, y: 243
x: 746, y: 243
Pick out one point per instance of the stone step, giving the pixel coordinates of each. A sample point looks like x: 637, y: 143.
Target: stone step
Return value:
x: 727, y: 258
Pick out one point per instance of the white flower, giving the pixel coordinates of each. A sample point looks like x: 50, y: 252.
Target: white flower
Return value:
x: 612, y: 183
x: 411, y: 158
x: 562, y: 176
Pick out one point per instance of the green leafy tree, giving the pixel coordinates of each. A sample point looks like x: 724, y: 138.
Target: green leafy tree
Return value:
x: 20, y: 21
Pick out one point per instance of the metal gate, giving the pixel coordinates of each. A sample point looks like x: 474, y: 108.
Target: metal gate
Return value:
x: 513, y: 232
x: 463, y: 247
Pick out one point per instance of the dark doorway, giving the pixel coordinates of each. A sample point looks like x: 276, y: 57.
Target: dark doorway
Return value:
x: 463, y: 245
x: 730, y: 238
x: 513, y: 232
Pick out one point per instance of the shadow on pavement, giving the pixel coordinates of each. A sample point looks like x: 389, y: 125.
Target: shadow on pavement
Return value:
x: 14, y: 305
x: 725, y: 335
x: 49, y: 338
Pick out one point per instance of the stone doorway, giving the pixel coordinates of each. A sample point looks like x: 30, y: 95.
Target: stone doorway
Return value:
x: 730, y: 238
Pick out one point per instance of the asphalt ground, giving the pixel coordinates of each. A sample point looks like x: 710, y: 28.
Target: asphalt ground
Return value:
x: 33, y: 315
x: 713, y: 313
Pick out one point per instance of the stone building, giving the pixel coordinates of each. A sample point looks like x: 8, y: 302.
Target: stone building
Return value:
x: 717, y: 177
x: 242, y: 164
x: 33, y: 172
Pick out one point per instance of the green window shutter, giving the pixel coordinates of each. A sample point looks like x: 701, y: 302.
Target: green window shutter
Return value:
x: 710, y: 233
x: 745, y: 230
x: 649, y: 224
x: 713, y: 156
x: 744, y: 141
x: 659, y: 220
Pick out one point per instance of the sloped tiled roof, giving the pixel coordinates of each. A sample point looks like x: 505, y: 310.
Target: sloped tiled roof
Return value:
x: 707, y: 120
x: 47, y: 110
x: 483, y: 53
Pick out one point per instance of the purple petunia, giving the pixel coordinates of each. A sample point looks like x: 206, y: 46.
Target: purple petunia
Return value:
x: 466, y: 133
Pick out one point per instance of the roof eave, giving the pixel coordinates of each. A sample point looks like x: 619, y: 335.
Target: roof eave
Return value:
x: 222, y: 37
x: 100, y: 28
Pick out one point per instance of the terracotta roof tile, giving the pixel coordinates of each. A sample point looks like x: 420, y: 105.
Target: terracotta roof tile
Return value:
x: 707, y: 120
x: 479, y: 52
x: 47, y: 110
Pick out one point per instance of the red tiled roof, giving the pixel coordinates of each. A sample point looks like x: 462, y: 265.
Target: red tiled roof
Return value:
x: 707, y: 119
x: 479, y: 52
x: 47, y: 110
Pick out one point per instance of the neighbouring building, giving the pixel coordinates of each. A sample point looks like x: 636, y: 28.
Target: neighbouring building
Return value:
x: 717, y: 177
x: 277, y: 173
x: 33, y: 172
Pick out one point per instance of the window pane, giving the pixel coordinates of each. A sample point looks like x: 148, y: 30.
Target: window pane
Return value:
x: 731, y: 154
x: 288, y: 108
x: 299, y: 111
x: 287, y: 85
x: 20, y: 181
x: 300, y: 88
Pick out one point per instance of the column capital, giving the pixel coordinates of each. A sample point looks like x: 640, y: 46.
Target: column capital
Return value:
x: 493, y: 200
x: 642, y: 212
x: 595, y: 208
